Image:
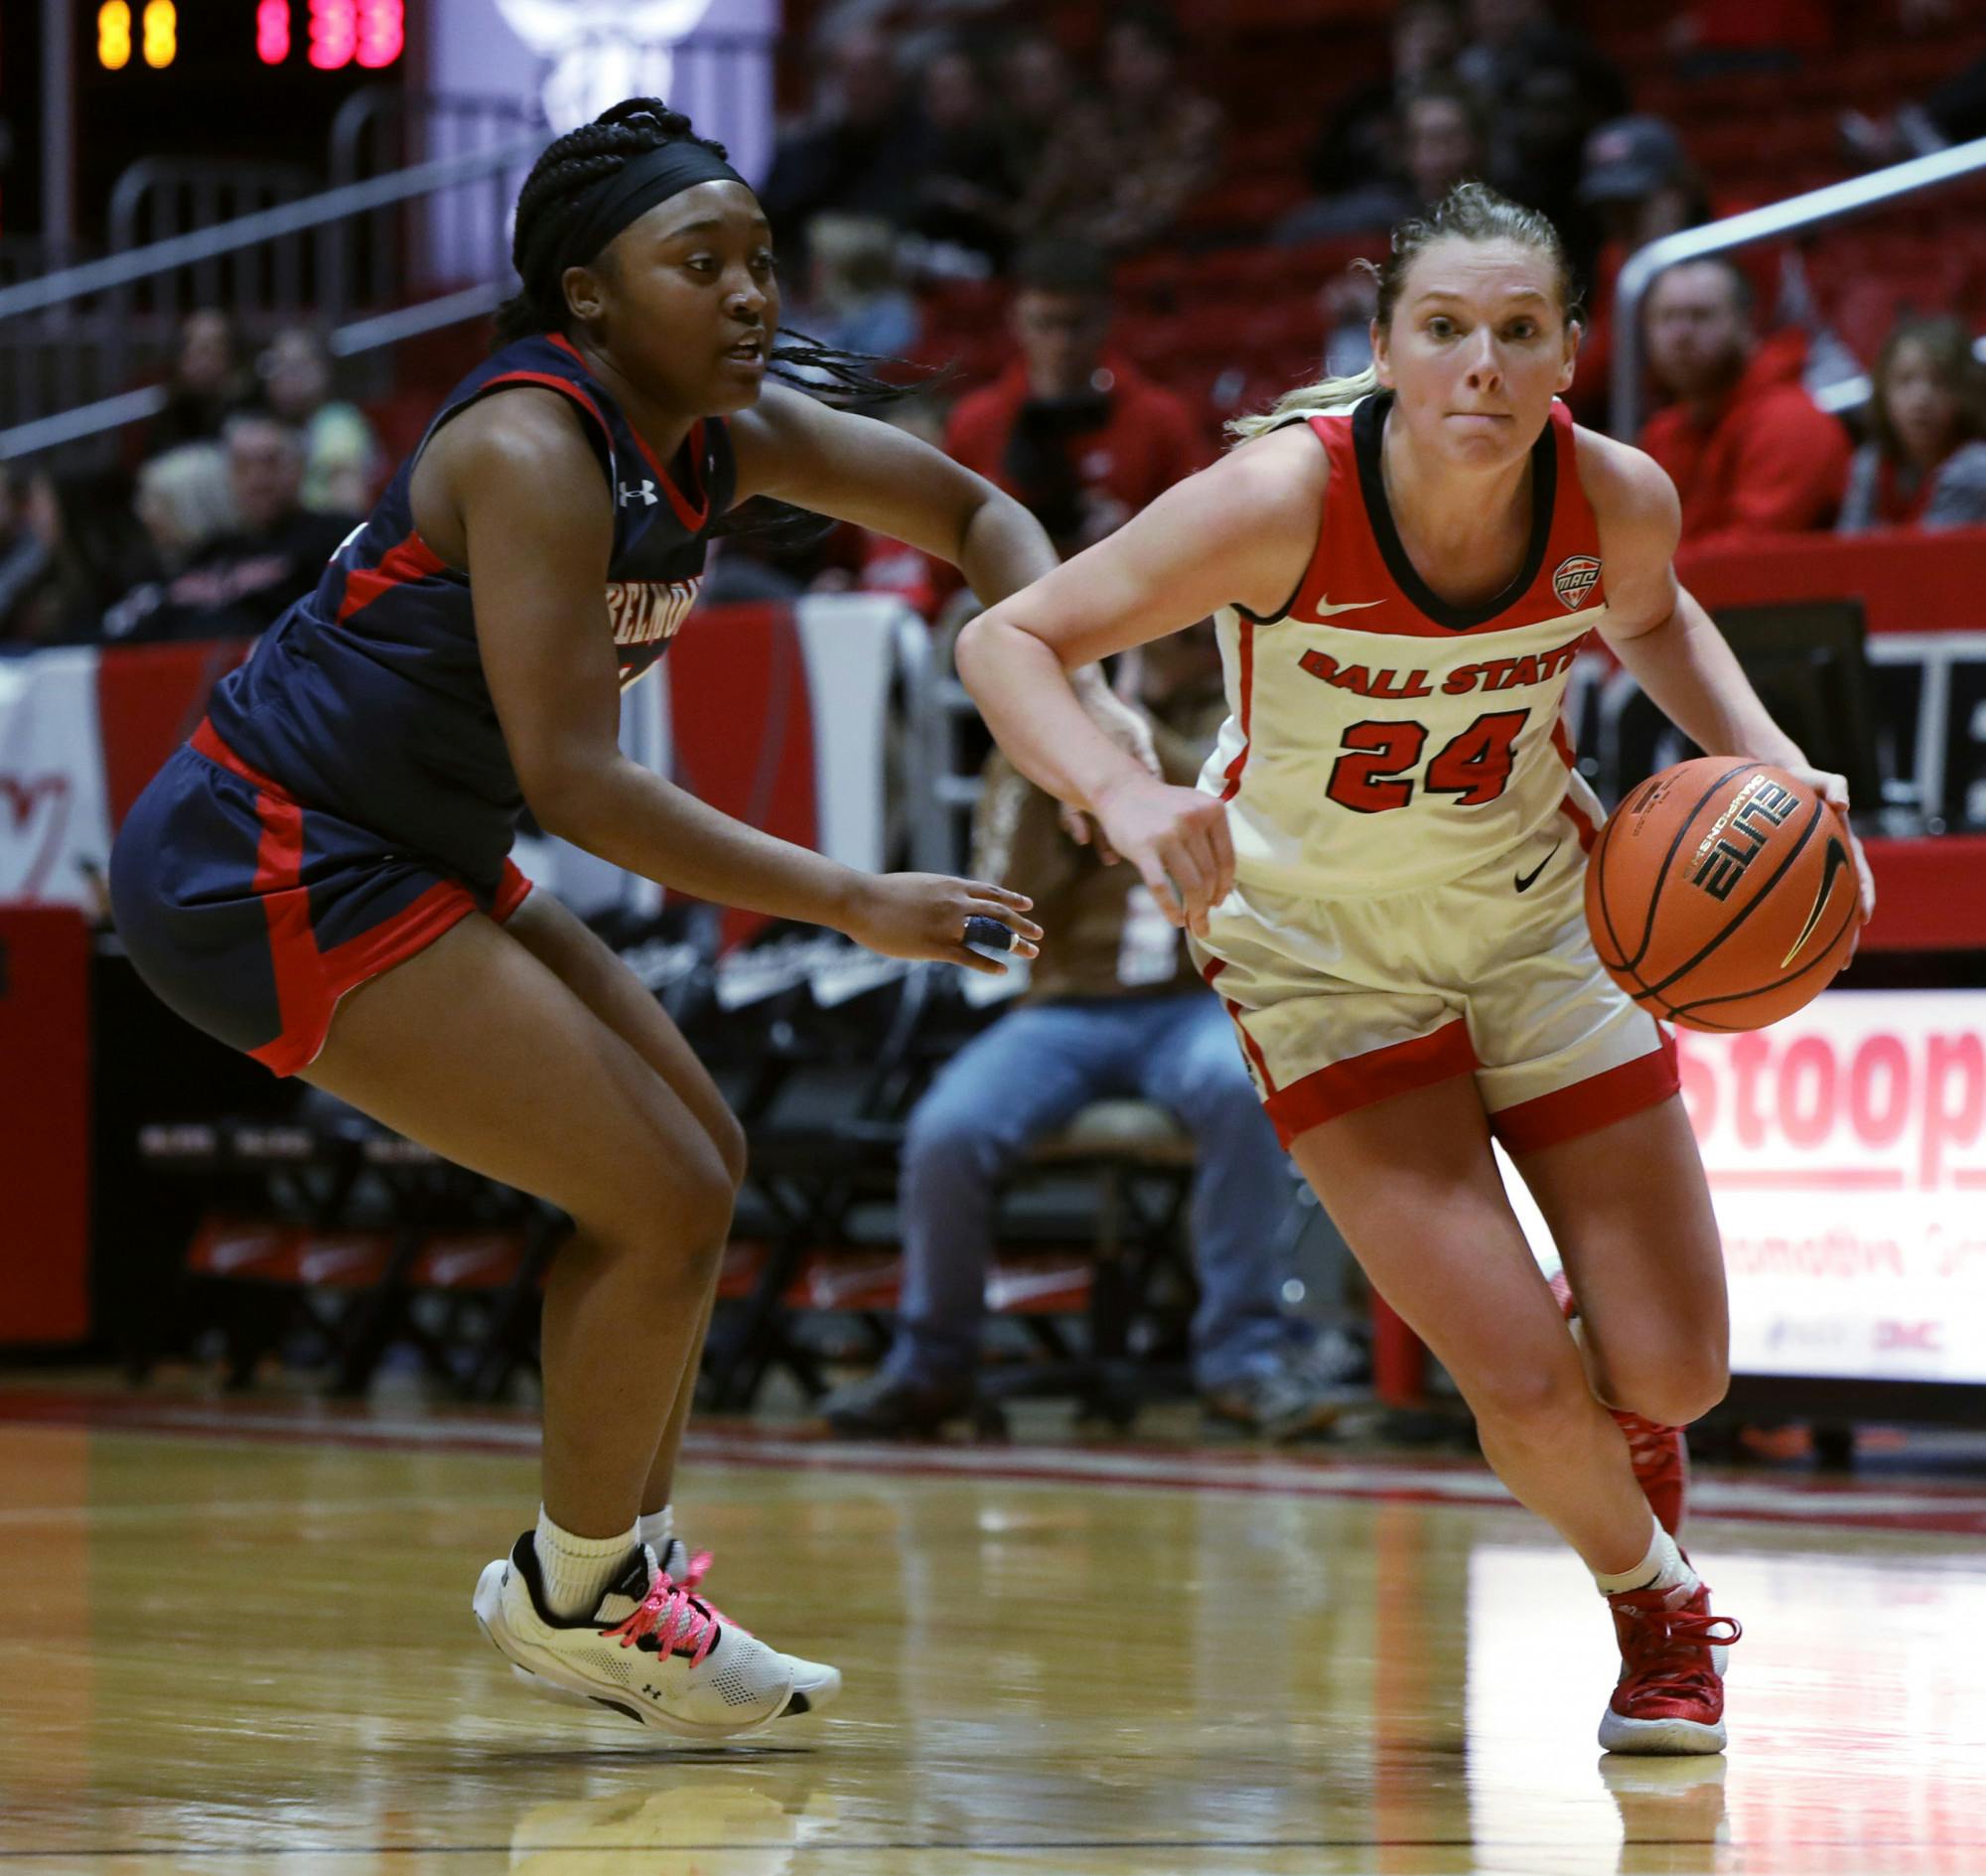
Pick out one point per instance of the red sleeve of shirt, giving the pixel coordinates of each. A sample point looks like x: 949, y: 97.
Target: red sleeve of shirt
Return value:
x: 1791, y: 469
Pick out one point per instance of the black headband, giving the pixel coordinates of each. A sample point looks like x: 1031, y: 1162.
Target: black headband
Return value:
x: 631, y: 190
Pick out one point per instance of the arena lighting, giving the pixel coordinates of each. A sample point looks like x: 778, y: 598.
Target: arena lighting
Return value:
x: 599, y: 52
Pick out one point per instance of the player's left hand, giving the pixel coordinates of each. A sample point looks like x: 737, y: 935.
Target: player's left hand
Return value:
x: 923, y: 915
x: 1833, y: 790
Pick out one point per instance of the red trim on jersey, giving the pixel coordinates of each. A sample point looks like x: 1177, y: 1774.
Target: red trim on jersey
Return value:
x: 691, y: 516
x: 1347, y: 569
x: 1582, y: 824
x: 400, y: 565
x: 310, y: 982
x: 1586, y: 1106
x: 564, y: 385
x: 1401, y: 1068
x: 1582, y: 821
x: 1240, y: 762
x: 1253, y: 1047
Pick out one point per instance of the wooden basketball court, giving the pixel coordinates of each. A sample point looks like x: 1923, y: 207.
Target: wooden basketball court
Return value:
x: 236, y: 1638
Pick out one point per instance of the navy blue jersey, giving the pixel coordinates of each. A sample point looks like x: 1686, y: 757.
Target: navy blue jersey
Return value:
x: 367, y: 698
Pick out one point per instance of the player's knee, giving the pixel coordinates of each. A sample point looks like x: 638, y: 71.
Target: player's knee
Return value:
x: 727, y: 1134
x: 1683, y: 1390
x: 1532, y: 1404
x: 673, y: 1212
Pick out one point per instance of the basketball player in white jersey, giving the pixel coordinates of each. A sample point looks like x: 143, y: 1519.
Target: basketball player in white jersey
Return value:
x: 1381, y: 871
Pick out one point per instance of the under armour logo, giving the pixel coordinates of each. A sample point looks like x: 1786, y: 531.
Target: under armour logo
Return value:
x: 642, y: 491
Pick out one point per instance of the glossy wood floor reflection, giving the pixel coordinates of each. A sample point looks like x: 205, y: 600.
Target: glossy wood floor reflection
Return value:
x: 242, y: 1642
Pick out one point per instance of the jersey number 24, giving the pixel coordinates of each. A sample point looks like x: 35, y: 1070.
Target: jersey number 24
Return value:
x: 1475, y: 767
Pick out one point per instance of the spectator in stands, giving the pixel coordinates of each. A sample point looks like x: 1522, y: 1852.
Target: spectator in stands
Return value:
x: 855, y: 300
x: 859, y: 155
x: 184, y: 503
x: 1444, y: 140
x: 1114, y: 1009
x: 87, y: 548
x: 1925, y: 464
x: 1360, y: 139
x: 964, y: 192
x: 1638, y: 181
x: 243, y: 581
x: 1073, y: 429
x: 1118, y: 169
x: 24, y: 555
x: 342, y: 459
x: 1748, y: 451
x: 1540, y: 157
x: 1508, y: 38
x: 206, y: 384
x: 1033, y: 92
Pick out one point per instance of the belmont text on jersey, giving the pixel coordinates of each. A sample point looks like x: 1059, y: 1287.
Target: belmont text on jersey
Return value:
x: 367, y: 699
x: 1379, y: 738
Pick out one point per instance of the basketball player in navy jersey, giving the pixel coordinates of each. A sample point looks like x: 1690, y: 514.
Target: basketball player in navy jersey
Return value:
x: 320, y: 876
x: 1381, y: 872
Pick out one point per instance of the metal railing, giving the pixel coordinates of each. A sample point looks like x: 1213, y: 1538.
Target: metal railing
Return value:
x: 57, y: 325
x: 1815, y: 209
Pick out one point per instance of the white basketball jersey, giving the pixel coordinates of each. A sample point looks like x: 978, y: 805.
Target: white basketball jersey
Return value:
x: 1380, y: 739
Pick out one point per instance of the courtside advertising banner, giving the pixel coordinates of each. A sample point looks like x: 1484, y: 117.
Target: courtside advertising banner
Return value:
x: 1846, y: 1148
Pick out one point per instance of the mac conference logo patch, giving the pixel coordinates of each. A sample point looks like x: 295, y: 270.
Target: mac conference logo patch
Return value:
x: 1577, y: 576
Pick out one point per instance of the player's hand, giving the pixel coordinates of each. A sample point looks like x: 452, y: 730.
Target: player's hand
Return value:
x: 1179, y: 841
x: 923, y: 915
x: 1833, y: 790
x: 1131, y: 730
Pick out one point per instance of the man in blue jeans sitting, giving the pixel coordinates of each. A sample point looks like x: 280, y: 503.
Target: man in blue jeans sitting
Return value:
x: 1114, y: 1009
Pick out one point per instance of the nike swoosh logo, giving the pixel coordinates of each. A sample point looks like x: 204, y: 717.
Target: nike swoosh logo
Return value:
x: 1324, y: 608
x: 1525, y: 881
x: 1837, y: 858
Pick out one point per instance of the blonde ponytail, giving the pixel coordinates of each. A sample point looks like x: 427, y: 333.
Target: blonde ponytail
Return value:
x: 1307, y: 400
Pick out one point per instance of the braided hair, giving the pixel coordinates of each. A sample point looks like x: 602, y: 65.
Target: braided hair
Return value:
x: 549, y: 204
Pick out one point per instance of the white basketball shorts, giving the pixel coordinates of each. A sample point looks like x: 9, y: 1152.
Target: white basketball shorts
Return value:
x: 1343, y: 1002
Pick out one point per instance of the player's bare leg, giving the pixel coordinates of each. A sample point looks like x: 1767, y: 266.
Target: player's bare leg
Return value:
x: 478, y: 1051
x: 1412, y: 1185
x: 590, y: 969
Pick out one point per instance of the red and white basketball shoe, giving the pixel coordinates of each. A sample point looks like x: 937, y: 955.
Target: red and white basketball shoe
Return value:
x: 1660, y: 1452
x: 1671, y: 1695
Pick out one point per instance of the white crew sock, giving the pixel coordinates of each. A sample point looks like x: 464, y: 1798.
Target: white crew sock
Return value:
x: 657, y: 1529
x: 1664, y: 1568
x: 577, y: 1570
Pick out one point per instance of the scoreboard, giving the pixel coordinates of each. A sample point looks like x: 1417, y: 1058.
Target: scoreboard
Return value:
x: 328, y: 35
x: 237, y: 80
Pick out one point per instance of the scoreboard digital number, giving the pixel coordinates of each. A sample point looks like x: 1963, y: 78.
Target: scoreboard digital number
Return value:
x: 326, y: 35
x: 223, y: 83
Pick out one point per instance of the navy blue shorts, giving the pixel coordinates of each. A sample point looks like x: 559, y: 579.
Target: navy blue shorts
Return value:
x: 251, y: 913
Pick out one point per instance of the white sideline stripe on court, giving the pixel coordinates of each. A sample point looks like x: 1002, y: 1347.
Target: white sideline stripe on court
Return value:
x: 1757, y: 1500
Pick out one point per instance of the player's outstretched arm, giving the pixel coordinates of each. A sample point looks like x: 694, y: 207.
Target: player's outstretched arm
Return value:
x: 526, y: 493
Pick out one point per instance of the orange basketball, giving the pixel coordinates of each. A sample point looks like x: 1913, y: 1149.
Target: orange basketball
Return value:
x: 1722, y: 894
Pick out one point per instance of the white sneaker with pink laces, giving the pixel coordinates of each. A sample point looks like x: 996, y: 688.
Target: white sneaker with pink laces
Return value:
x: 649, y: 1650
x: 815, y: 1683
